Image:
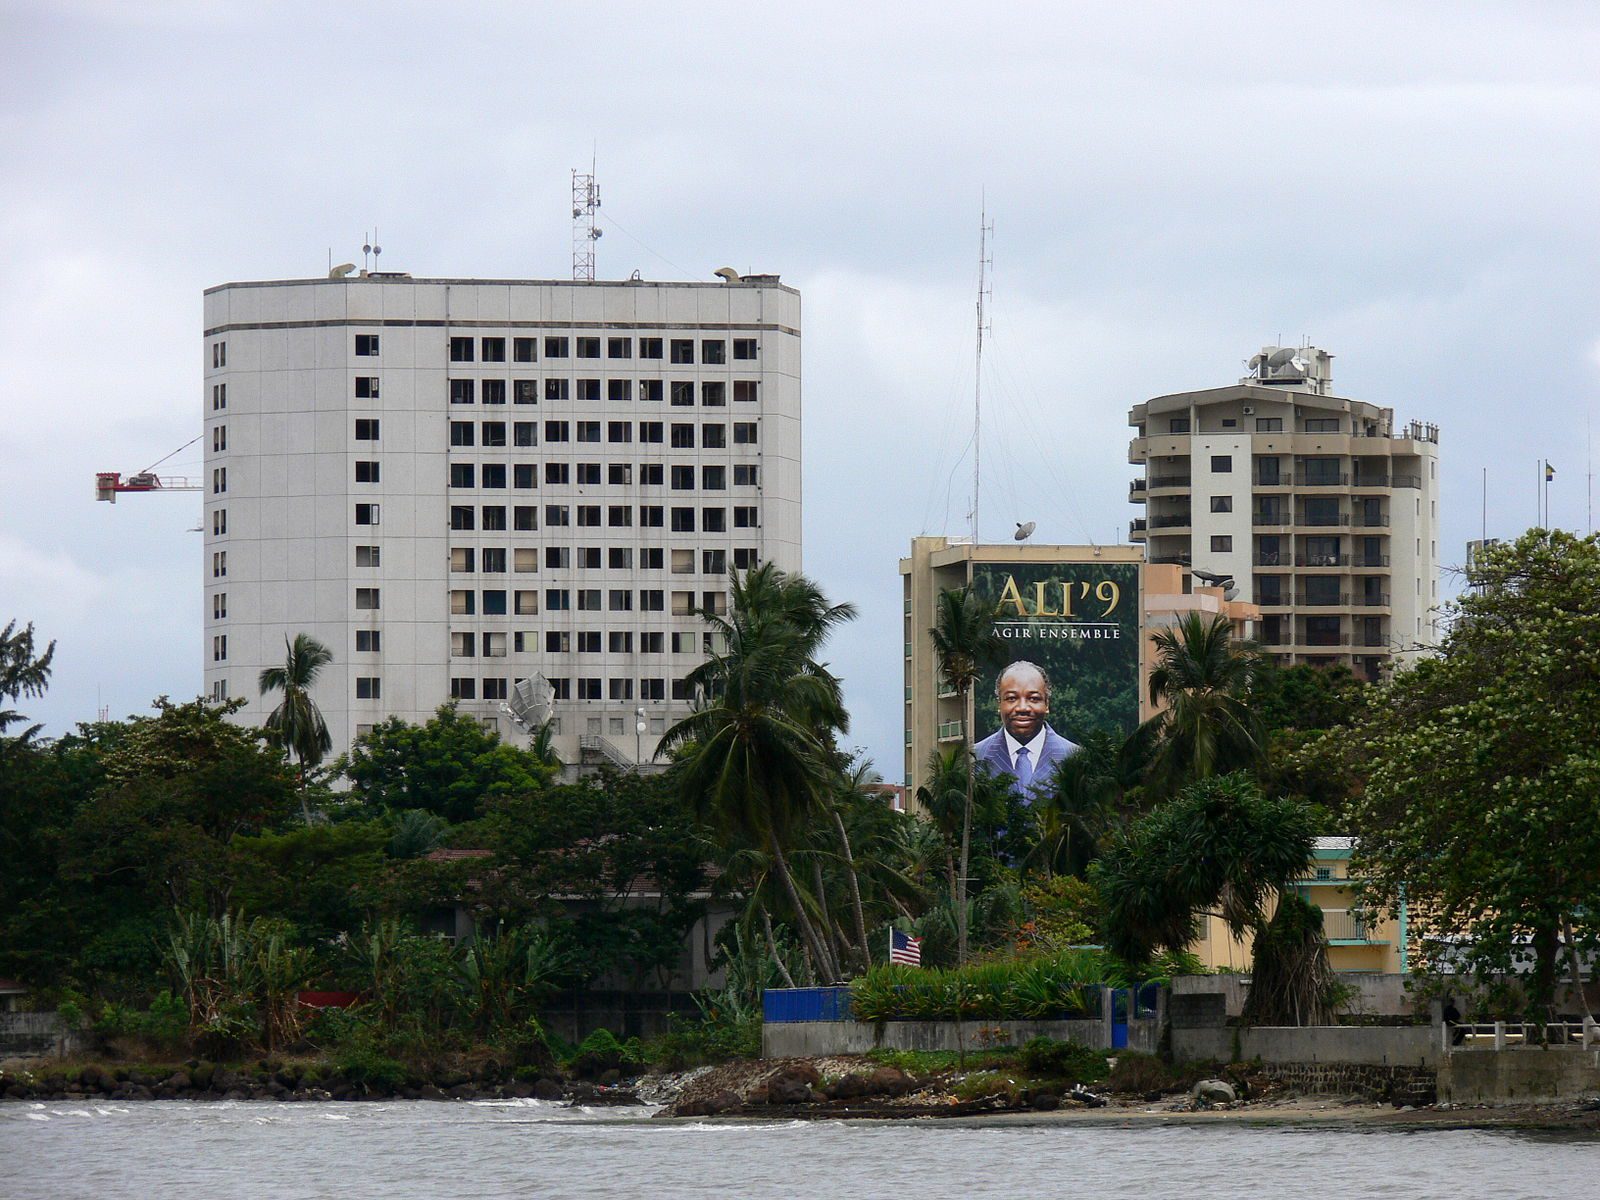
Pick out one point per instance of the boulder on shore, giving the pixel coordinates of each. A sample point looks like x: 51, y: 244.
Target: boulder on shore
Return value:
x: 1212, y: 1091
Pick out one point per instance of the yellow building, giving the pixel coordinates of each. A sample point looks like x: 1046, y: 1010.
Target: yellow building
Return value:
x: 1354, y: 946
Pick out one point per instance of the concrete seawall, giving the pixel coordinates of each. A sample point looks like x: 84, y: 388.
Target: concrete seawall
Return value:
x: 810, y: 1039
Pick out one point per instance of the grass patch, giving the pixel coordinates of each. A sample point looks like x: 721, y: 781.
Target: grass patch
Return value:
x: 932, y: 1062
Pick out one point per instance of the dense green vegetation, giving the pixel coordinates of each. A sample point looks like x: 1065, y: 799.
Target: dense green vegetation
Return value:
x: 176, y: 878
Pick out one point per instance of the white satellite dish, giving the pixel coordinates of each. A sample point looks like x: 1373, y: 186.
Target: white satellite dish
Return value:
x: 1024, y: 531
x: 532, y: 701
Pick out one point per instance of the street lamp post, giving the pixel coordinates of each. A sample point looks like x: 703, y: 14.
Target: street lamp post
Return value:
x: 638, y: 738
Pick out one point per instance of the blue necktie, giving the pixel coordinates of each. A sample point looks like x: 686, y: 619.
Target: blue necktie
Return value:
x: 1024, y: 768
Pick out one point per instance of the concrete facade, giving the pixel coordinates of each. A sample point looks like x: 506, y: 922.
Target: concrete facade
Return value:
x: 1322, y: 509
x: 459, y: 484
x: 811, y: 1039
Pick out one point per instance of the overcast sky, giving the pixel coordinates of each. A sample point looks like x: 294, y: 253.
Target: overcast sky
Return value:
x: 1411, y: 187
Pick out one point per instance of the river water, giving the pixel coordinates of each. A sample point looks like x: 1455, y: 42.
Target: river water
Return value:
x: 490, y: 1149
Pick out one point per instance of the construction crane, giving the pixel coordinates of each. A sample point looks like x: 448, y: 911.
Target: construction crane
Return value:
x: 107, y: 484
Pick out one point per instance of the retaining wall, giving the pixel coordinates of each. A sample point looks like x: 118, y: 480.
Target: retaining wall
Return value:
x: 35, y: 1035
x: 809, y: 1039
x: 1412, y: 1045
x: 1519, y: 1075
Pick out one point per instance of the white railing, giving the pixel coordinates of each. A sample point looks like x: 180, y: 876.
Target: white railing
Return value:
x: 1499, y: 1035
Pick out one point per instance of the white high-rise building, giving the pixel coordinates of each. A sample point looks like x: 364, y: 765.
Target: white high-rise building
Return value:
x: 1321, y: 509
x: 458, y: 484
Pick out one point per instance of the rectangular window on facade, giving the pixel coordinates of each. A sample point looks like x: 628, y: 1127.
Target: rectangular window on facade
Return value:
x: 494, y: 433
x: 652, y: 689
x: 526, y: 603
x: 619, y: 431
x: 462, y: 559
x: 588, y: 474
x: 619, y: 642
x: 494, y: 517
x: 653, y: 600
x: 219, y: 606
x: 683, y: 520
x: 620, y: 600
x: 366, y: 514
x: 557, y: 643
x: 619, y: 347
x: 1322, y: 425
x: 494, y: 603
x: 523, y: 516
x: 714, y: 562
x: 366, y: 387
x: 461, y: 349
x: 619, y: 516
x: 588, y: 347
x: 494, y: 475
x: 1221, y: 464
x: 1221, y: 543
x: 1269, y: 424
x: 744, y: 391
x: 219, y: 354
x: 555, y: 347
x: 588, y: 516
x: 557, y: 473
x: 588, y: 641
x: 588, y: 599
x: 463, y: 645
x: 524, y: 560
x: 682, y: 435
x: 522, y: 476
x: 651, y: 516
x: 525, y: 391
x: 219, y: 480
x: 366, y: 429
x: 219, y: 521
x: 494, y: 646
x: 493, y: 560
x: 369, y: 687
x: 746, y: 475
x: 463, y: 516
x: 462, y: 475
x: 463, y: 604
x: 366, y: 471
x: 744, y: 433
x: 714, y: 395
x: 557, y: 558
x: 1222, y: 504
x: 493, y: 391
x: 556, y: 431
x: 745, y: 349
x: 621, y: 689
x: 683, y: 393
x: 649, y: 347
x: 367, y: 598
x: 713, y: 479
x: 463, y: 687
x: 619, y: 558
x: 619, y: 389
x: 683, y: 479
x: 522, y: 433
x: 744, y: 517
x: 556, y: 514
x: 588, y: 689
x: 650, y: 390
x: 651, y: 474
x: 494, y: 349
x: 588, y: 431
x: 368, y: 641
x: 746, y: 558
x: 714, y: 437
x: 682, y: 604
x: 367, y: 556
x: 462, y: 433
x: 522, y: 350
x: 219, y: 396
x: 713, y: 351
x: 366, y: 345
x: 683, y: 562
x: 619, y: 474
x: 494, y: 689
x: 219, y: 648
x: 219, y: 437
x: 1177, y: 424
x: 462, y: 391
x: 556, y: 389
x: 588, y: 389
x: 714, y: 520
x: 683, y: 350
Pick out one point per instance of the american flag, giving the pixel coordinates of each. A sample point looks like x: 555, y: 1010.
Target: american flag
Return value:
x: 903, y: 948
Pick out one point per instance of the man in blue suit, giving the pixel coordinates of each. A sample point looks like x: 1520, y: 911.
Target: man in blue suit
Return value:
x: 1024, y: 747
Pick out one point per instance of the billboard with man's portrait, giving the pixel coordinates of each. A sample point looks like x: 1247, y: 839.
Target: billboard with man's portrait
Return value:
x: 1069, y: 663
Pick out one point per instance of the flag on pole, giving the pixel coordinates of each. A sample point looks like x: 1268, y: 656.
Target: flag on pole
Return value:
x: 1549, y: 472
x: 905, y: 949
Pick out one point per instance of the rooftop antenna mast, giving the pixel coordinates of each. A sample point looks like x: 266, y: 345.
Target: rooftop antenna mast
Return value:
x: 585, y: 200
x: 985, y: 292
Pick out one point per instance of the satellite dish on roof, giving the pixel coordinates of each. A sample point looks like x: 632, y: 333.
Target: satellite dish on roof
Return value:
x: 726, y: 274
x: 1282, y: 357
x: 1024, y: 531
x: 1212, y: 577
x: 532, y: 701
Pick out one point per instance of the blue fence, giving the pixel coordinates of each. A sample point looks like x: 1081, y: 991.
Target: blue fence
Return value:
x: 806, y: 1004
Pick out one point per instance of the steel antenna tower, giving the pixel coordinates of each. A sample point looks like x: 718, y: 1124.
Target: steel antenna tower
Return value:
x: 985, y: 292
x: 585, y: 200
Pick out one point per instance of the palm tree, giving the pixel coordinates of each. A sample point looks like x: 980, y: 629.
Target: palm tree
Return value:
x: 296, y: 725
x: 755, y: 757
x: 1206, y: 679
x: 963, y: 641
